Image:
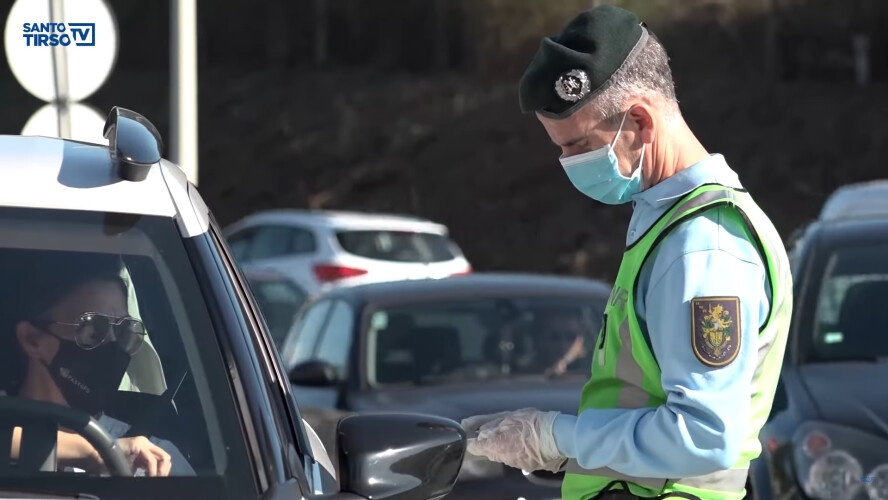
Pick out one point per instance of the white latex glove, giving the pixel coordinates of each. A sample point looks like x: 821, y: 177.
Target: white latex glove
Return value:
x: 522, y: 439
x: 472, y: 425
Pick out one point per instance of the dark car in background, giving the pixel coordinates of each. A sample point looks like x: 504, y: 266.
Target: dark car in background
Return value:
x: 458, y: 347
x: 279, y: 298
x: 827, y: 435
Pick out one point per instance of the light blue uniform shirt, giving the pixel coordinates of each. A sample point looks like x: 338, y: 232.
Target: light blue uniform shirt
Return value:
x: 704, y: 422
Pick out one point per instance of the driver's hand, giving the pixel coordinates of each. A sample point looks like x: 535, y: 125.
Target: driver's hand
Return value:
x: 146, y: 455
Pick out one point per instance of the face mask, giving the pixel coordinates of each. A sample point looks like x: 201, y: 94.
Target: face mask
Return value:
x: 597, y: 174
x: 88, y: 379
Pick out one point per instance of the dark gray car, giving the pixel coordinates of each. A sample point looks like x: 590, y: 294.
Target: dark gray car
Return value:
x: 827, y: 435
x: 456, y: 347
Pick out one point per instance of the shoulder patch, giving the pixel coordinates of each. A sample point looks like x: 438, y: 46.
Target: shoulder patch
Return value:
x: 715, y: 329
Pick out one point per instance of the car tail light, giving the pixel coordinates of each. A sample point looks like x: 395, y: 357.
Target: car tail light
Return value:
x: 326, y: 273
x: 462, y: 273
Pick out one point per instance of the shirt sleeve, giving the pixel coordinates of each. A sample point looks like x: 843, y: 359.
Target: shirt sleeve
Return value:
x: 704, y: 422
x: 179, y: 464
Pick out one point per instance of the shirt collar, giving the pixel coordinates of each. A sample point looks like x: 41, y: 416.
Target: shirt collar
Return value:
x: 712, y: 169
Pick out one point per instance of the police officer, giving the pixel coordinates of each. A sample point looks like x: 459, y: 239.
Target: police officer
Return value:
x: 686, y: 364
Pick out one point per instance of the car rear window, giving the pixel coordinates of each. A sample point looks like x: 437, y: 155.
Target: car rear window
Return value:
x: 398, y: 246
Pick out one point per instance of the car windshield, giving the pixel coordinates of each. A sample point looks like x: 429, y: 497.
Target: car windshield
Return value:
x: 852, y: 295
x: 103, y: 313
x: 398, y: 246
x: 476, y: 339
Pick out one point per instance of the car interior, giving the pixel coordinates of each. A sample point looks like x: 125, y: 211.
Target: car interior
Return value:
x: 167, y: 391
x: 860, y: 312
x: 469, y: 341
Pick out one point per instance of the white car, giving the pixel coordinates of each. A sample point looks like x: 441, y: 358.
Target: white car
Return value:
x: 320, y: 249
x: 112, y: 266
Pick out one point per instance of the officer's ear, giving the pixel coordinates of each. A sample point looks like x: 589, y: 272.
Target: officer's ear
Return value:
x: 642, y: 115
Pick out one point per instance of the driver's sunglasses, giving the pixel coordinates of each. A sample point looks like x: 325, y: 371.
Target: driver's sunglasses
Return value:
x: 94, y: 329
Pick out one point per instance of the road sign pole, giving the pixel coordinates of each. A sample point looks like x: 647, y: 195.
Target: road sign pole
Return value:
x: 183, y: 86
x: 60, y: 73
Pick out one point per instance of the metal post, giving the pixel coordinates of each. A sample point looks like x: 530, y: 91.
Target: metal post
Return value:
x: 183, y: 86
x: 60, y: 73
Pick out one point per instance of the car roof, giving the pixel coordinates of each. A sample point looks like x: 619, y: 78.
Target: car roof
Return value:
x: 339, y: 219
x: 857, y: 200
x: 479, y: 284
x: 46, y: 172
x: 846, y: 232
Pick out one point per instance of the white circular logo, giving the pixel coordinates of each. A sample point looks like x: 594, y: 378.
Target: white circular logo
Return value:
x: 88, y: 38
x: 573, y: 85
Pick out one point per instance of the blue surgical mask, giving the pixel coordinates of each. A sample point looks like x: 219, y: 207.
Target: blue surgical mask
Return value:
x: 597, y: 174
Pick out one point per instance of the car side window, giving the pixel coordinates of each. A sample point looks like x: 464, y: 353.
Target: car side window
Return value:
x: 336, y: 340
x: 279, y: 301
x: 240, y: 245
x: 301, y: 343
x: 268, y: 242
x: 302, y: 241
x: 271, y: 241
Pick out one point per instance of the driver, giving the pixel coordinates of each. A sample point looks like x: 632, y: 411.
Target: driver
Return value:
x: 559, y: 342
x: 76, y: 339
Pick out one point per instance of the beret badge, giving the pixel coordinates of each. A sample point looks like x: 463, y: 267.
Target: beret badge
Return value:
x: 572, y: 85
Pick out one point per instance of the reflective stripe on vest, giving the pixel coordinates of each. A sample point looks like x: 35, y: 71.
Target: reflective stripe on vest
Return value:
x: 629, y: 377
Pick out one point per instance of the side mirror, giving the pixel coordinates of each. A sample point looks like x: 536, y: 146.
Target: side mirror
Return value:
x: 399, y: 456
x: 314, y: 374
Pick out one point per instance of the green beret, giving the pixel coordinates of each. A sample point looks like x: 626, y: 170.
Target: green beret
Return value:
x: 571, y: 68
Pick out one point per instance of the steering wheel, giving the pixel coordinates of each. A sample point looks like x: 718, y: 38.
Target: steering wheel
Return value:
x: 40, y: 422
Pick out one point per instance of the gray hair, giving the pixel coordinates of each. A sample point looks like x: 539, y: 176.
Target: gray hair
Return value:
x: 647, y: 75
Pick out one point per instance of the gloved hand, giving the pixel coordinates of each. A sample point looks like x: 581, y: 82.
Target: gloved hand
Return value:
x: 472, y: 424
x: 522, y: 439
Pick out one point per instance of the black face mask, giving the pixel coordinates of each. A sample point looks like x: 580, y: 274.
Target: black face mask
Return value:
x: 88, y: 379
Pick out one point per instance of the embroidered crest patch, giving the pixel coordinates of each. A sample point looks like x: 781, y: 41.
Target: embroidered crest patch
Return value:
x: 715, y: 329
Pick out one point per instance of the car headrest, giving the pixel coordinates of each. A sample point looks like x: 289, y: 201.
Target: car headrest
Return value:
x: 437, y: 348
x: 861, y: 314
